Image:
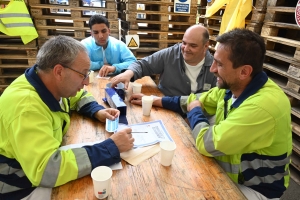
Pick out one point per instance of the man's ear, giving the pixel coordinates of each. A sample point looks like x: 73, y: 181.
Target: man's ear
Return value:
x: 206, y: 45
x: 58, y: 71
x: 245, y: 72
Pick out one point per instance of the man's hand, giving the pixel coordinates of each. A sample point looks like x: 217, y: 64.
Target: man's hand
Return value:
x: 123, y: 77
x: 123, y: 139
x: 106, y: 69
x: 193, y: 104
x: 109, y: 113
x: 136, y: 98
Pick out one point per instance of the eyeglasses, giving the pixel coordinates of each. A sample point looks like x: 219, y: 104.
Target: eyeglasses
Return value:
x: 84, y: 75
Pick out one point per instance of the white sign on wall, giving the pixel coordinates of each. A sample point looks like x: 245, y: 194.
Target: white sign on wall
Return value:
x: 182, y: 6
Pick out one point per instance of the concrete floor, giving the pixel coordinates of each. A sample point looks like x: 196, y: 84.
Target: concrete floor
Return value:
x: 293, y: 191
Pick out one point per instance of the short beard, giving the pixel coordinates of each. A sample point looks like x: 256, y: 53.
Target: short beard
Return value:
x: 223, y: 85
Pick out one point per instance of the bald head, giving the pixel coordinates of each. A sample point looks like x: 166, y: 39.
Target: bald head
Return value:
x: 197, y: 32
x: 194, y: 44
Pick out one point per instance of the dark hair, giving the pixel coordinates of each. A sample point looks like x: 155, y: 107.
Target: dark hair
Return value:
x: 205, y: 36
x: 58, y: 50
x: 98, y: 19
x: 247, y: 48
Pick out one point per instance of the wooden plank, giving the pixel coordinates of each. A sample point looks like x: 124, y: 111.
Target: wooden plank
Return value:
x: 10, y: 75
x: 28, y: 54
x: 296, y: 111
x: 165, y: 2
x: 278, y: 69
x: 283, y: 56
x: 216, y: 28
x: 155, y: 31
x: 16, y: 47
x: 159, y: 22
x: 295, y: 175
x: 160, y: 13
x: 15, y: 43
x: 70, y: 26
x: 110, y: 7
x: 295, y: 160
x: 285, y: 41
x: 14, y: 66
x: 290, y: 92
x: 282, y: 25
x: 296, y: 129
x: 281, y: 9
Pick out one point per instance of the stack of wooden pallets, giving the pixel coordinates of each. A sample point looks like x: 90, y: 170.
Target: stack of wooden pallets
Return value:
x: 282, y: 63
x: 70, y: 17
x: 15, y: 57
x: 155, y: 22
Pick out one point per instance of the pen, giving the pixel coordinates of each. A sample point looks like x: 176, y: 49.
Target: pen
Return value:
x: 138, y: 132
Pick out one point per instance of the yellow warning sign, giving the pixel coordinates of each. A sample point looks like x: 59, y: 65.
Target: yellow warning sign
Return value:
x: 132, y: 43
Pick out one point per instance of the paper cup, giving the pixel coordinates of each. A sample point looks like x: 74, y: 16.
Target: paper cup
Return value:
x: 102, y: 181
x: 167, y: 149
x: 136, y: 88
x: 147, y: 105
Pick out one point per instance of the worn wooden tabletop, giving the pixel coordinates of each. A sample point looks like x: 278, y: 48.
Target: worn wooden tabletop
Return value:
x: 191, y: 175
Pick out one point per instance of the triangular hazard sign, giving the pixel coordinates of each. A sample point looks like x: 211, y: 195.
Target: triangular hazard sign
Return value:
x: 132, y: 43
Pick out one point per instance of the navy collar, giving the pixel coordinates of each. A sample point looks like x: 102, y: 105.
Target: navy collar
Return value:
x: 256, y: 83
x: 41, y: 89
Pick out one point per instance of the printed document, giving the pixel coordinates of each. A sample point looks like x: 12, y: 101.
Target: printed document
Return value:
x: 148, y: 133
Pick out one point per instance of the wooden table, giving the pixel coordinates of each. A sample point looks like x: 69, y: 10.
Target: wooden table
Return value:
x: 191, y: 175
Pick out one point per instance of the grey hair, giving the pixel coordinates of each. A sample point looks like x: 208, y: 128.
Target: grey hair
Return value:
x: 58, y: 50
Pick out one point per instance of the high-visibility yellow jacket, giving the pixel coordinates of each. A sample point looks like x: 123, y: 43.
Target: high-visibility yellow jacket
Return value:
x: 32, y: 126
x: 235, y: 13
x: 16, y: 21
x: 251, y: 138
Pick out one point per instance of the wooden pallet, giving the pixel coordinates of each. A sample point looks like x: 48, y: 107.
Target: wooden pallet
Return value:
x: 73, y: 22
x: 154, y: 25
x: 159, y: 17
x: 14, y: 42
x: 159, y: 11
x: 8, y: 75
x: 278, y: 20
x: 283, y: 49
x: 15, y: 57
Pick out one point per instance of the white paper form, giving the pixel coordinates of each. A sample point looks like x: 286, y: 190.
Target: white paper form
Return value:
x: 148, y: 133
x: 79, y: 145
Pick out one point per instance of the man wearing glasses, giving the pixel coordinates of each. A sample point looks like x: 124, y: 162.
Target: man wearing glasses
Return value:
x: 35, y: 115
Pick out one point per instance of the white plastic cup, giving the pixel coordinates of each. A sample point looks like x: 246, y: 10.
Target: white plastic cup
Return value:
x: 167, y: 149
x: 102, y: 181
x: 147, y: 105
x: 91, y: 77
x: 136, y: 88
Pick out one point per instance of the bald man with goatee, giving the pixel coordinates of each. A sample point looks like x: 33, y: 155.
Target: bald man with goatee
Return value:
x: 183, y: 68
